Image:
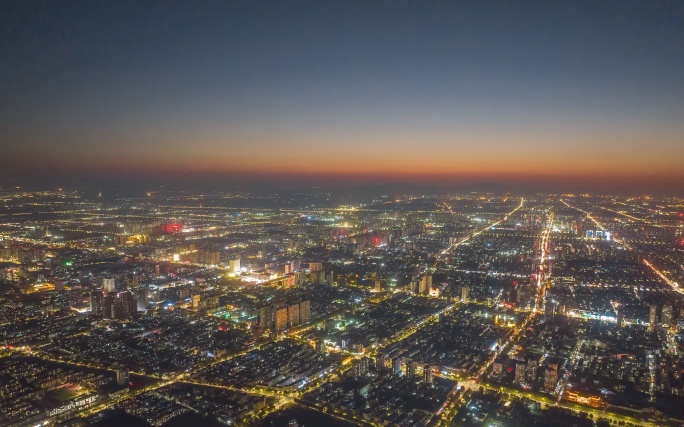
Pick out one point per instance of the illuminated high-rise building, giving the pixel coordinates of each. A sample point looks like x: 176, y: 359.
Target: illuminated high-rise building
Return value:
x: 234, y: 265
x: 497, y: 369
x: 304, y: 311
x: 551, y: 376
x: 396, y: 365
x: 281, y: 319
x: 142, y: 298
x: 122, y: 377
x: 427, y: 374
x: 411, y: 369
x: 520, y: 370
x: 620, y: 318
x: 666, y: 315
x: 97, y: 303
x: 425, y: 284
x: 267, y: 317
x: 653, y: 316
x: 196, y: 299
x: 360, y: 367
x: 123, y: 305
x: 414, y: 285
x: 293, y: 315
x: 550, y: 309
x: 465, y: 292
x: 108, y: 284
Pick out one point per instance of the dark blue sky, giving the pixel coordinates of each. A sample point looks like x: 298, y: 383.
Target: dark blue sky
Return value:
x: 428, y: 91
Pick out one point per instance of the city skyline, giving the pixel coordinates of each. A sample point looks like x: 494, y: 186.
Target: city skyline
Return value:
x: 575, y: 97
x: 292, y: 308
x: 342, y: 213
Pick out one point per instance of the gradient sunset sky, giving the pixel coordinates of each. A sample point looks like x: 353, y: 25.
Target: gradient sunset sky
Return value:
x: 437, y: 92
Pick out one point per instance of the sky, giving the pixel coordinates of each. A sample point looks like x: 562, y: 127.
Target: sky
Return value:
x: 565, y: 94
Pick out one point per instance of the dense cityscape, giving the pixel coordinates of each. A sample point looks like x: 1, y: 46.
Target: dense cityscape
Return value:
x: 319, y: 213
x: 309, y: 308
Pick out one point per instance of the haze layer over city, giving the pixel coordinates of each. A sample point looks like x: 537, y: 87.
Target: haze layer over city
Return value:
x: 415, y: 214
